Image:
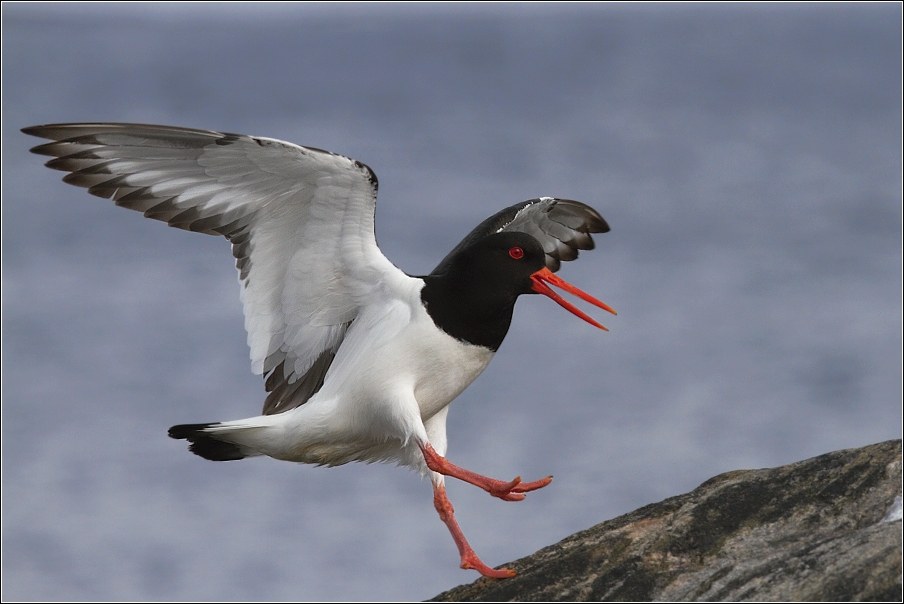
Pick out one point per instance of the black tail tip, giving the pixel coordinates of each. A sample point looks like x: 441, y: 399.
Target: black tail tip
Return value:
x: 204, y: 444
x: 189, y: 432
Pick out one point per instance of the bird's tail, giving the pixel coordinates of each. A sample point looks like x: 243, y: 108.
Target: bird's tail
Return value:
x: 211, y: 441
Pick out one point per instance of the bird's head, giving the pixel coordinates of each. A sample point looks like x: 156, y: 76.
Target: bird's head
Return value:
x: 513, y: 263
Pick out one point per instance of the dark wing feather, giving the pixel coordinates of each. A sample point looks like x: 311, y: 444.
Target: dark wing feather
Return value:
x: 562, y: 226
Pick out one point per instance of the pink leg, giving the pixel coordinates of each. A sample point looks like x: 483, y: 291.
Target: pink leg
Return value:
x: 468, y: 558
x: 508, y: 491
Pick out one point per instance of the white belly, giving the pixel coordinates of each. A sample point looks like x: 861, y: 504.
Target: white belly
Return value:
x: 443, y: 368
x: 432, y: 364
x: 395, y: 371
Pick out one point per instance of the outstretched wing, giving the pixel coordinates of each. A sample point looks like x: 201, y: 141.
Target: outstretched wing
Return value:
x: 562, y: 227
x: 300, y: 220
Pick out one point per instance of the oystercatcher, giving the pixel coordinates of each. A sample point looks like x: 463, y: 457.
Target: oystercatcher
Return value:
x: 360, y: 360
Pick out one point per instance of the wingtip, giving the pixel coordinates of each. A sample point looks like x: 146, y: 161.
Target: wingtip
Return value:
x: 41, y: 130
x: 37, y: 131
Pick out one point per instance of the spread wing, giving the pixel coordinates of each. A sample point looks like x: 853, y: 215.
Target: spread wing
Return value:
x: 300, y: 220
x: 562, y: 227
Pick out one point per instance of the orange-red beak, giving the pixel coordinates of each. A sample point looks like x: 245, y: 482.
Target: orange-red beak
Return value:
x: 544, y: 276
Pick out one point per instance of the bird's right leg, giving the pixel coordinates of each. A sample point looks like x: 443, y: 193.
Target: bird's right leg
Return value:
x: 507, y: 491
x: 422, y: 433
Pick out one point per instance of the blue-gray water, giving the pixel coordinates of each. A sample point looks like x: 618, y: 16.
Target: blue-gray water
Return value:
x: 747, y: 157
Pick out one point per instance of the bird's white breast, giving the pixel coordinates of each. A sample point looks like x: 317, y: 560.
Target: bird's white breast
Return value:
x: 394, y: 371
x: 408, y: 352
x: 443, y: 366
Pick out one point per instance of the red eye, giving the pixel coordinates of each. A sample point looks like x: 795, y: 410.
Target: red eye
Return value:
x: 517, y: 253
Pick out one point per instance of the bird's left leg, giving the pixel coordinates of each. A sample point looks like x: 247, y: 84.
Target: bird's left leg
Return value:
x: 469, y: 559
x: 507, y: 491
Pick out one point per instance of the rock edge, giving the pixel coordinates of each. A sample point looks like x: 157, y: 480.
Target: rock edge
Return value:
x: 826, y: 528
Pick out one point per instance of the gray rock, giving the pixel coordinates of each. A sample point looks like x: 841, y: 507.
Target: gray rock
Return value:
x: 827, y: 528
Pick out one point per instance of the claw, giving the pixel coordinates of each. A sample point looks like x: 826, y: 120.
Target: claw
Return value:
x: 505, y: 490
x: 486, y: 571
x: 526, y: 487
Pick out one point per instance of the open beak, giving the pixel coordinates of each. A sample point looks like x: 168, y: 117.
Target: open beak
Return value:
x: 544, y: 276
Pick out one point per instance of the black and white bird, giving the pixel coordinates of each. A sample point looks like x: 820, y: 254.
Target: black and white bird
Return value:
x: 360, y: 360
